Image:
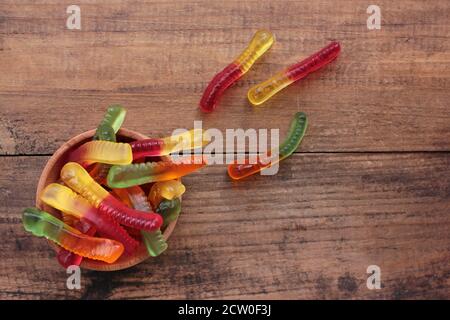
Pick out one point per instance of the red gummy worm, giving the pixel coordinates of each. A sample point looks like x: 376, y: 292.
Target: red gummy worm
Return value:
x: 109, y: 228
x: 218, y: 85
x: 314, y: 62
x: 146, y: 147
x: 147, y: 221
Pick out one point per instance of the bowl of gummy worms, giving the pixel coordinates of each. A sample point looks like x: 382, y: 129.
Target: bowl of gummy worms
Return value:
x: 110, y: 198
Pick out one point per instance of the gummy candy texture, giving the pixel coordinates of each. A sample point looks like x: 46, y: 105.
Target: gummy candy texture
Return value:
x: 67, y: 258
x: 105, y: 132
x: 265, y: 90
x: 77, y: 178
x: 260, y: 43
x: 154, y: 241
x: 64, y: 199
x: 114, y: 117
x: 169, y: 209
x: 141, y: 173
x: 188, y: 140
x: 165, y: 189
x: 295, y: 135
x: 103, y: 152
x: 43, y: 224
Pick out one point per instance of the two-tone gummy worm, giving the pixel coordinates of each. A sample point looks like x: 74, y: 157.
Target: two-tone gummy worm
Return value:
x: 169, y: 189
x: 154, y: 241
x: 67, y: 258
x: 192, y: 139
x: 64, y: 199
x: 103, y: 152
x: 263, y: 91
x: 106, y: 131
x: 43, y: 224
x: 141, y: 173
x: 77, y: 178
x: 114, y: 117
x: 295, y: 135
x: 260, y: 43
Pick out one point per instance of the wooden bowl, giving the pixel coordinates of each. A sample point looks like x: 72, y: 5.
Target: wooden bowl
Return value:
x: 51, y: 174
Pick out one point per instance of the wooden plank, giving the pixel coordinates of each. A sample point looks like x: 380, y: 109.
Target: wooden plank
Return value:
x: 308, y: 232
x: 387, y: 92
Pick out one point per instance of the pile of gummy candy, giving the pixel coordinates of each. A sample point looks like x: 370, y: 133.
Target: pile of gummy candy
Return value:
x: 101, y: 194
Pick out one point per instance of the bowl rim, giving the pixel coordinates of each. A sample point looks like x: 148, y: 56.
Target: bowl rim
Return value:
x: 141, y: 253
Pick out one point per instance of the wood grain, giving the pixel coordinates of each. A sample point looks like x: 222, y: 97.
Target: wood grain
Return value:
x: 387, y: 92
x: 308, y: 232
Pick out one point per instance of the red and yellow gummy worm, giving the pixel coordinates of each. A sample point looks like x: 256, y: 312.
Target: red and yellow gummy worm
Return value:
x: 260, y: 43
x: 192, y: 139
x: 264, y: 90
x: 63, y: 198
x: 77, y: 178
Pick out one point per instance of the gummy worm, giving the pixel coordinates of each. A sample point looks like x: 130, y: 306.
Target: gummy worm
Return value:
x: 192, y: 139
x: 67, y: 258
x: 154, y: 241
x: 264, y: 90
x: 141, y: 173
x: 64, y: 199
x: 106, y: 131
x: 165, y: 190
x: 295, y: 135
x: 103, y: 152
x: 77, y: 178
x: 170, y: 210
x: 43, y: 224
x: 114, y: 117
x: 260, y: 43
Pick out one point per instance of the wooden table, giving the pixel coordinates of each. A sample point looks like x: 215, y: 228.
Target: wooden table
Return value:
x: 370, y: 185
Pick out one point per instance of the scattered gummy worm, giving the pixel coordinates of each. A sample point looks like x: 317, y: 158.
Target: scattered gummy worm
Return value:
x: 260, y: 43
x: 63, y: 198
x: 263, y: 91
x: 192, y: 139
x: 154, y: 241
x: 43, y: 224
x: 295, y: 135
x: 97, y: 222
x: 77, y: 178
x: 141, y: 173
x: 165, y: 189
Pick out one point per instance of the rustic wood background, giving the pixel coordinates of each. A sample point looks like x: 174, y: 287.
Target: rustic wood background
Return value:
x: 369, y: 185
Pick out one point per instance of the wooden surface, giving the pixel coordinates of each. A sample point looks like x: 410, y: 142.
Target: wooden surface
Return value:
x: 370, y: 184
